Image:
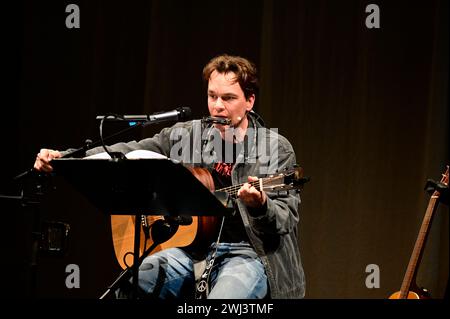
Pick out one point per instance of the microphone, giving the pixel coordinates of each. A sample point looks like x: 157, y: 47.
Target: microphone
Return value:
x: 178, y: 114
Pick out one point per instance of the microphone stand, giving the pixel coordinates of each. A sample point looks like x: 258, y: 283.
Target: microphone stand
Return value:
x: 37, y: 191
x: 161, y: 231
x: 180, y: 113
x: 81, y: 151
x: 29, y: 200
x: 33, y: 184
x: 89, y: 144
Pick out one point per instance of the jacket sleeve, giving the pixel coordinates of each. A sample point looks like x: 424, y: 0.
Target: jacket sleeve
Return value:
x: 281, y: 215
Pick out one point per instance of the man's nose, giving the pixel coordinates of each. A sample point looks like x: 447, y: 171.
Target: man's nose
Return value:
x: 219, y: 104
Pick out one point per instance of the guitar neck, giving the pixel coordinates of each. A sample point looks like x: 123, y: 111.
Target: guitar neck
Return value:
x: 261, y: 184
x: 233, y: 190
x: 418, y: 247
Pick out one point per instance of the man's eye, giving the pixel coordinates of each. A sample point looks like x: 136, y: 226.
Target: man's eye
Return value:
x: 212, y: 96
x: 228, y: 98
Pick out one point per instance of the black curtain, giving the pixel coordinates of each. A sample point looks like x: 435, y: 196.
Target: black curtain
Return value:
x: 366, y: 111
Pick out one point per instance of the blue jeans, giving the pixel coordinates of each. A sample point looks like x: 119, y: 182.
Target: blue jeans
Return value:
x: 237, y: 273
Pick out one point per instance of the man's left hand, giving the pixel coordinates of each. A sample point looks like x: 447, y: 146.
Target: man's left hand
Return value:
x: 250, y: 195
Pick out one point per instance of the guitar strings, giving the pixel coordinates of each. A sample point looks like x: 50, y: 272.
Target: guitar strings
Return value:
x: 232, y: 190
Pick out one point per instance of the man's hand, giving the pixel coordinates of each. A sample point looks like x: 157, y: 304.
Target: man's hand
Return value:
x: 43, y: 158
x: 251, y: 196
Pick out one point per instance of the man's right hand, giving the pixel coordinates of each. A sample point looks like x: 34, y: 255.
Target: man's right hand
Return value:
x: 43, y: 158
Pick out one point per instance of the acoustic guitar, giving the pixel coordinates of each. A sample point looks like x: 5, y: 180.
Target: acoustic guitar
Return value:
x: 409, y: 288
x: 200, y: 233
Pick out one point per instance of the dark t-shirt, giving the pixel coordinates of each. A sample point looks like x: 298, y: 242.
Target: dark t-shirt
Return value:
x: 233, y: 228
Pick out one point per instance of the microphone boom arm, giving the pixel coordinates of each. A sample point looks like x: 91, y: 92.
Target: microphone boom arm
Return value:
x: 178, y: 114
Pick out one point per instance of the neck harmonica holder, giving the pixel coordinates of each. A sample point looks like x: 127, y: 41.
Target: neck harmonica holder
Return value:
x: 216, y: 120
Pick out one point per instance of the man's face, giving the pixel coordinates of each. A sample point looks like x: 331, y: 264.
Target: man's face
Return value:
x: 226, y: 99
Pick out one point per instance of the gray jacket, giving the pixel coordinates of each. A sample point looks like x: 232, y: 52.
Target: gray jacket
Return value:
x: 272, y: 232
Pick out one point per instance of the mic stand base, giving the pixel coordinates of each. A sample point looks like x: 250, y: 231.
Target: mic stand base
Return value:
x: 161, y: 231
x: 127, y: 274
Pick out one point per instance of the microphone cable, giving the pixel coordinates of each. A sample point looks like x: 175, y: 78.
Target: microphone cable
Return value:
x: 114, y: 155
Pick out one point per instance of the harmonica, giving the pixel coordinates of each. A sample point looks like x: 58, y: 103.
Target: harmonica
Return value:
x: 216, y: 120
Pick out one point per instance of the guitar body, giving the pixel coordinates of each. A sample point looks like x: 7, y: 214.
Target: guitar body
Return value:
x: 198, y: 235
x: 414, y: 293
x: 203, y: 230
x: 122, y: 227
x: 411, y: 295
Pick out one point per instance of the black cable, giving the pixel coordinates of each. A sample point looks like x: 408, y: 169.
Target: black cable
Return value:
x: 114, y: 155
x: 125, y: 258
x: 258, y: 118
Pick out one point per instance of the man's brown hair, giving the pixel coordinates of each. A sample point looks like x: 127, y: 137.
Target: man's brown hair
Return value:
x: 244, y: 70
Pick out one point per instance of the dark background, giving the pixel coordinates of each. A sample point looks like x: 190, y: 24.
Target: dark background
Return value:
x: 366, y: 111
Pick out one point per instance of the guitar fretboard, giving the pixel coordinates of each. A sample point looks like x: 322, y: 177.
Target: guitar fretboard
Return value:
x: 418, y: 248
x: 233, y: 190
x: 420, y: 242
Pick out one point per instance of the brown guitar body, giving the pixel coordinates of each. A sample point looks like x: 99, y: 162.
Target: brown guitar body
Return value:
x: 204, y: 229
x: 411, y: 295
x: 417, y: 293
x: 197, y: 235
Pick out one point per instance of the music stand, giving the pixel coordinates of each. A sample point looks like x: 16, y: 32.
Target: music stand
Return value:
x: 140, y: 187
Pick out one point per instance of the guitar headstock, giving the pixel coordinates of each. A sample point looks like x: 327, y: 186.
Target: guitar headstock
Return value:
x: 289, y: 179
x: 439, y: 189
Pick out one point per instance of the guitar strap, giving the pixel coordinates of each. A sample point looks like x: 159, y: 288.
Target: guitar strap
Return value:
x: 202, y: 285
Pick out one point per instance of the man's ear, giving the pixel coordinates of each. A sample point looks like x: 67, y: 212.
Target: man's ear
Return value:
x: 250, y: 102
